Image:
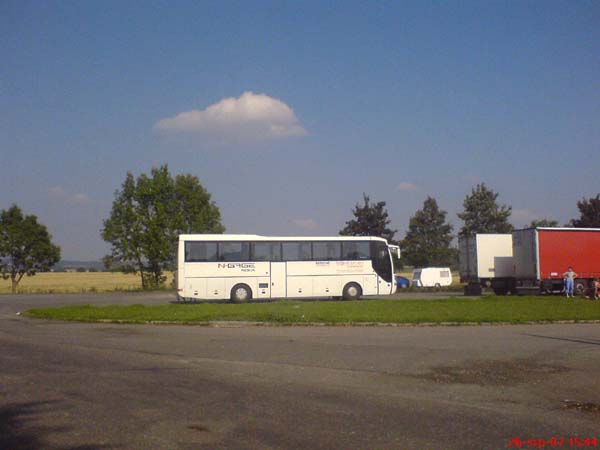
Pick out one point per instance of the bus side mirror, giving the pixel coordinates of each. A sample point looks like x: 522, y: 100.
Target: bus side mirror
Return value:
x: 395, y: 249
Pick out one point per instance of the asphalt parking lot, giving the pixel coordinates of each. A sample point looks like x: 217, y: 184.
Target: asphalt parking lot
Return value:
x: 105, y: 386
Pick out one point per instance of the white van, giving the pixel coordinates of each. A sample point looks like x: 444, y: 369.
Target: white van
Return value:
x: 432, y: 277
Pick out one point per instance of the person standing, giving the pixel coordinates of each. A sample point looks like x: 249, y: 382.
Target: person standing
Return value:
x: 596, y: 287
x: 569, y: 277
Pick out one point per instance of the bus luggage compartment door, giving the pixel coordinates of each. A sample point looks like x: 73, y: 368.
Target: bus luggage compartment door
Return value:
x: 278, y: 280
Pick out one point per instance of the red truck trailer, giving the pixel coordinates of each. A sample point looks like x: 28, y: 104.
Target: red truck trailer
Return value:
x: 542, y: 255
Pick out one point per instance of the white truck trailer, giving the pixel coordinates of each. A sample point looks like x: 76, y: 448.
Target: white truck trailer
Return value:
x: 486, y: 260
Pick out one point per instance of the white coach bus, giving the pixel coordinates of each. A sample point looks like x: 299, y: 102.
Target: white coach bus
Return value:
x: 242, y: 267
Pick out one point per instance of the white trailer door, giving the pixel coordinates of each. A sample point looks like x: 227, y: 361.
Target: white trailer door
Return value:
x: 278, y: 280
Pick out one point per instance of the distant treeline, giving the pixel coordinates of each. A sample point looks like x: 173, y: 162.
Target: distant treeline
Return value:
x: 79, y: 266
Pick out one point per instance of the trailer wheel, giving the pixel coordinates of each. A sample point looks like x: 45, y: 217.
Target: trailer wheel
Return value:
x: 352, y: 291
x: 240, y: 293
x: 437, y: 285
x: 580, y: 288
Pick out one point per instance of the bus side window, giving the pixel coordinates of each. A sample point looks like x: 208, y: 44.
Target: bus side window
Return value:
x: 296, y: 251
x: 200, y: 251
x: 266, y: 251
x: 327, y: 250
x: 234, y: 251
x: 355, y: 250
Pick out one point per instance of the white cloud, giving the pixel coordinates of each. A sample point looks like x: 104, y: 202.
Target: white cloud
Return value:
x: 251, y: 116
x: 56, y: 191
x: 61, y: 193
x: 407, y: 186
x: 308, y: 224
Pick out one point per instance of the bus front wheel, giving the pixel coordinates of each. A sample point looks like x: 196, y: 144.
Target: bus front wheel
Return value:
x: 352, y: 291
x: 240, y: 293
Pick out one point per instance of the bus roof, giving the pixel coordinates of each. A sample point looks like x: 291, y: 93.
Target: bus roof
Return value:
x: 256, y: 237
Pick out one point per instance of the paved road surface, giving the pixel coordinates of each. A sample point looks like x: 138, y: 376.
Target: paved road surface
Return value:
x: 103, y: 386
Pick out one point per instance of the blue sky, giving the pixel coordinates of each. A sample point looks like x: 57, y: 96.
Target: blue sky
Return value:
x: 327, y: 100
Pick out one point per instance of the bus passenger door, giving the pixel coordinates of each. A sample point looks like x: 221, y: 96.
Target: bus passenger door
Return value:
x: 382, y: 264
x: 278, y: 280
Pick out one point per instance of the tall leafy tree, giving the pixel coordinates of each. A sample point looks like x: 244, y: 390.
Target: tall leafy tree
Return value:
x: 589, y: 210
x: 429, y: 237
x: 543, y: 223
x: 25, y: 246
x: 147, y: 216
x: 482, y: 214
x: 370, y: 219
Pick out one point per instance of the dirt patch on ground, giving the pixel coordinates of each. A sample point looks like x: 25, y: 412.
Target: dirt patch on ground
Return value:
x: 198, y: 427
x: 494, y: 372
x: 588, y: 407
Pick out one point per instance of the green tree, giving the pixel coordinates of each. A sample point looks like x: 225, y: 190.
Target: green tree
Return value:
x: 589, y: 210
x: 541, y: 223
x: 146, y: 218
x: 482, y: 214
x: 428, y: 239
x: 25, y: 246
x: 371, y: 219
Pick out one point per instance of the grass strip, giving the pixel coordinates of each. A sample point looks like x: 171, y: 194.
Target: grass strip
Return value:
x: 488, y: 309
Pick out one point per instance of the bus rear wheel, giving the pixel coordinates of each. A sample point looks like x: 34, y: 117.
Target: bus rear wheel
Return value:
x: 352, y: 291
x: 240, y: 293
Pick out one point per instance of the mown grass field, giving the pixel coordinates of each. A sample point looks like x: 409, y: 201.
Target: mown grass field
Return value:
x: 489, y: 309
x: 65, y: 282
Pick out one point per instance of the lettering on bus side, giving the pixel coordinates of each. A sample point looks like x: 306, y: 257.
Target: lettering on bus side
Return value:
x: 244, y: 267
